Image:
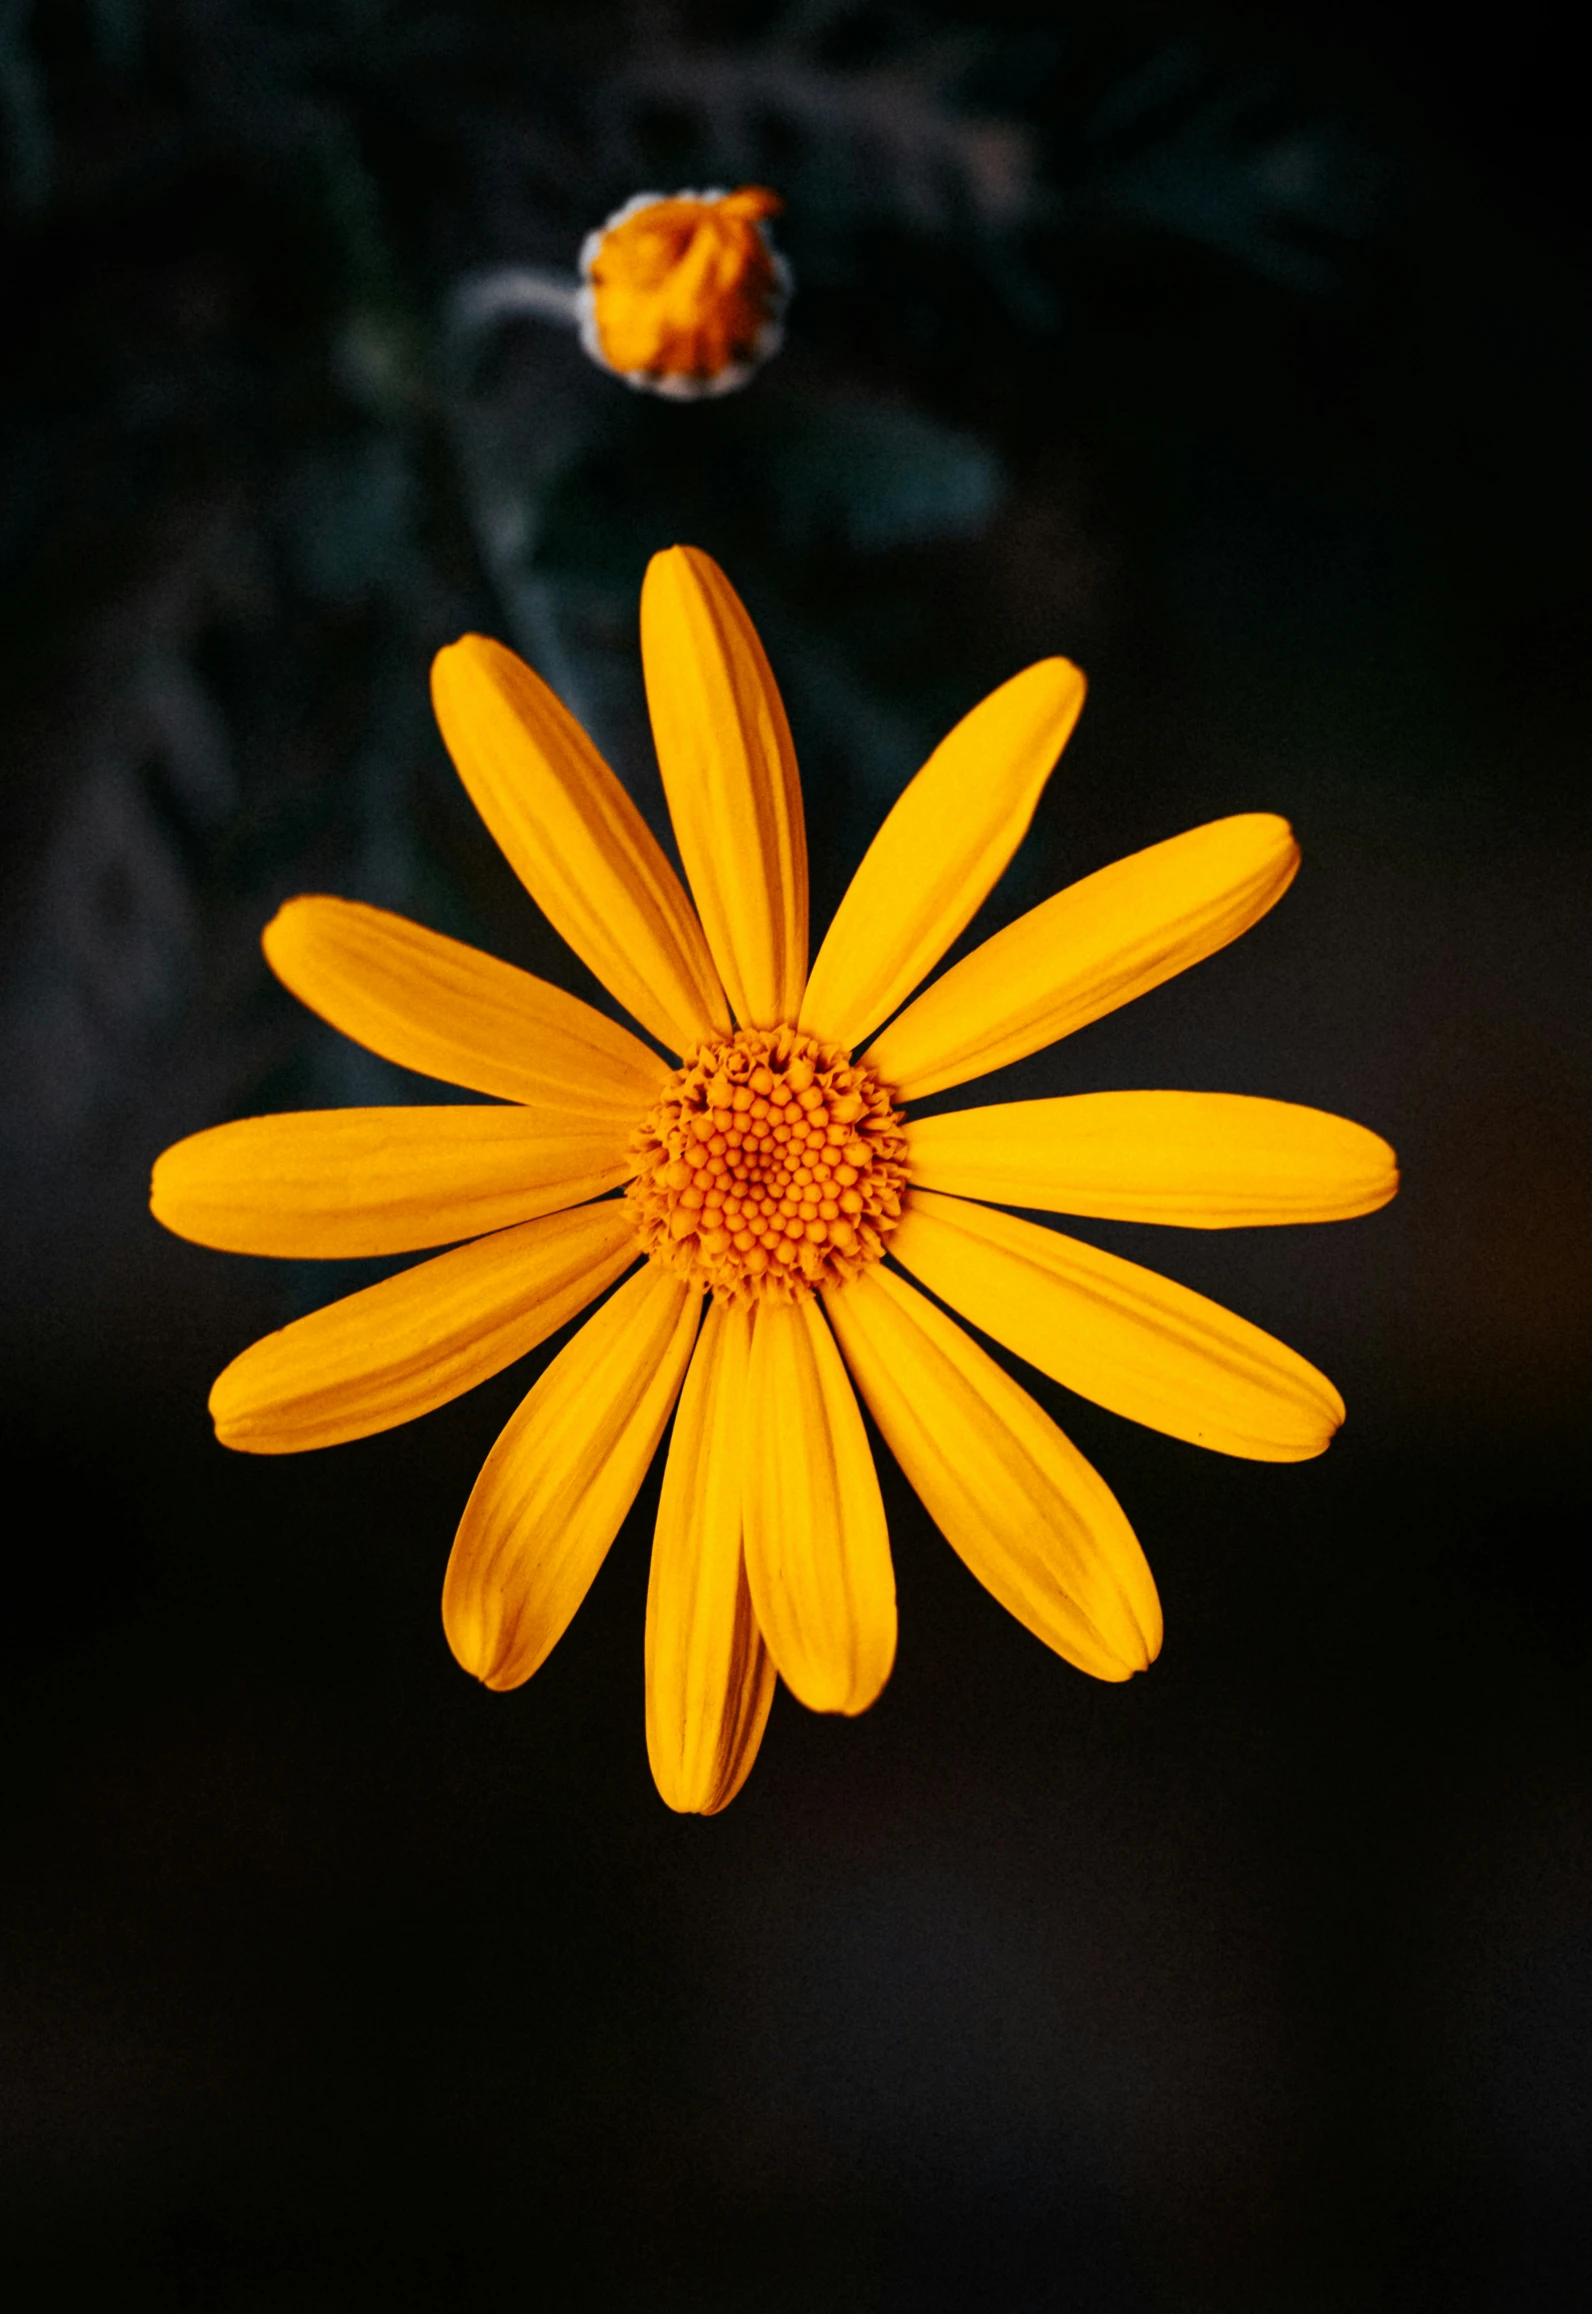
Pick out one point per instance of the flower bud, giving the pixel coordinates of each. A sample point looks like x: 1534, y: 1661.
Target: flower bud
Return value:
x: 683, y: 294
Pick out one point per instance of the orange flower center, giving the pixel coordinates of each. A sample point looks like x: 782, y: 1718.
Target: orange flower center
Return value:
x: 683, y: 288
x: 773, y: 1165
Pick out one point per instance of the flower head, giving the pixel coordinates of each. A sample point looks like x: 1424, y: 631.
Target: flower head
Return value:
x: 773, y: 1164
x: 684, y: 294
x: 765, y: 1180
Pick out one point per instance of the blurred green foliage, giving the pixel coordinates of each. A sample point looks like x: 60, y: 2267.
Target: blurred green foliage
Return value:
x: 248, y: 465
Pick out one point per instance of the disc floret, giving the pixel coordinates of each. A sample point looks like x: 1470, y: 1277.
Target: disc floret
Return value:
x: 773, y: 1165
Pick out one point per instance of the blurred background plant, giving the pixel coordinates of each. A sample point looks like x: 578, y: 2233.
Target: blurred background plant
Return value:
x: 1236, y: 353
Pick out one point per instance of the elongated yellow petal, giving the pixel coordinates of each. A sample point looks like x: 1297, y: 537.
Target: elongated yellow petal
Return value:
x: 938, y: 855
x: 1012, y: 1495
x: 413, y: 1342
x: 1119, y: 1334
x: 575, y: 839
x: 434, y: 1005
x: 342, y: 1182
x: 1198, y: 1160
x: 1099, y: 944
x: 729, y: 772
x: 817, y: 1551
x: 555, y: 1488
x: 710, y: 1679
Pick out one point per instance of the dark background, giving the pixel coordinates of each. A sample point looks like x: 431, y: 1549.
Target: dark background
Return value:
x: 1240, y: 354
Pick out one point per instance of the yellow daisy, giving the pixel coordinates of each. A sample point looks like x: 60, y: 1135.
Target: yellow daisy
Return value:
x: 764, y: 1179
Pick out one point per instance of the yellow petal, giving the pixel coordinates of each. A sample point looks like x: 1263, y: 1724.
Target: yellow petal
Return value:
x: 413, y: 1342
x: 555, y: 1488
x: 1119, y: 1334
x: 710, y: 1679
x: 938, y: 855
x: 1012, y: 1495
x: 575, y: 840
x: 729, y: 772
x: 817, y: 1552
x: 434, y: 1005
x: 1198, y: 1160
x: 342, y: 1182
x: 1099, y: 944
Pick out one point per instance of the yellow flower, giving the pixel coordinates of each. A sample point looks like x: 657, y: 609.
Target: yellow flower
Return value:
x: 763, y: 1180
x: 683, y: 295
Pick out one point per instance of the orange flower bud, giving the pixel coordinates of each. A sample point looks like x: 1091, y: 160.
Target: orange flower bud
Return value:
x: 683, y: 294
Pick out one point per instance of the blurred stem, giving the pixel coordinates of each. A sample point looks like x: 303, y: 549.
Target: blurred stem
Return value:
x: 508, y: 292
x: 505, y: 511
